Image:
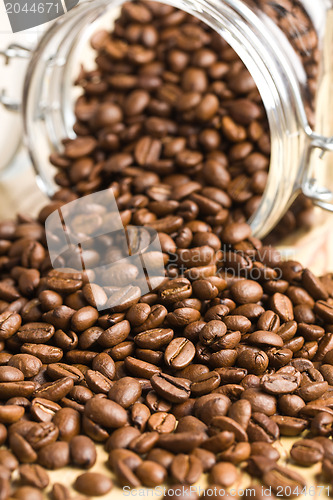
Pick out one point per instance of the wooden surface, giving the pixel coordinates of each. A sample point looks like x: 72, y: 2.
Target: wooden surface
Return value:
x: 19, y: 193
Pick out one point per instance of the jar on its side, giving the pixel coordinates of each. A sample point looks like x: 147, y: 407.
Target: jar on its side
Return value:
x: 286, y: 46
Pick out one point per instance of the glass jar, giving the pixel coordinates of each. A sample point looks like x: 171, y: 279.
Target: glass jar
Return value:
x: 286, y: 45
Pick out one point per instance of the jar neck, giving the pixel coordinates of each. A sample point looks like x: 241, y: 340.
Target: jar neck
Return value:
x: 252, y: 35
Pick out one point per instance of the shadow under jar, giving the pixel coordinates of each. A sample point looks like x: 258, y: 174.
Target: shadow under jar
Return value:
x: 285, y: 45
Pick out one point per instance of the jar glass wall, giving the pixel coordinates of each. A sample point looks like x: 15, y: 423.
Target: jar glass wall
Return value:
x: 280, y: 62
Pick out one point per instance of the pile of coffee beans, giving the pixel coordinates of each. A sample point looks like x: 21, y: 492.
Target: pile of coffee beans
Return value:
x: 199, y: 376
x: 231, y: 351
x: 171, y: 114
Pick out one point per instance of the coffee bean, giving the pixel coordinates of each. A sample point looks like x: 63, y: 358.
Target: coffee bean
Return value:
x: 9, y: 324
x: 27, y: 493
x: 105, y: 413
x: 281, y: 383
x: 154, y: 339
x: 68, y: 422
x: 125, y: 392
x: 162, y: 422
x: 220, y: 424
x: 246, y: 291
x: 306, y: 452
x: 253, y: 360
x: 93, y: 483
x: 28, y: 364
x: 54, y: 455
x: 265, y: 449
x: 223, y: 474
x: 284, y: 479
x: 262, y: 428
x: 181, y: 442
x: 290, y: 426
x: 186, y: 469
x: 173, y: 389
x: 281, y: 305
x: 34, y: 475
x: 179, y: 353
x: 21, y: 448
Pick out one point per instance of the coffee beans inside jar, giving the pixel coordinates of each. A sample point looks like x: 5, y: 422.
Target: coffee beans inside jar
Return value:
x: 231, y: 351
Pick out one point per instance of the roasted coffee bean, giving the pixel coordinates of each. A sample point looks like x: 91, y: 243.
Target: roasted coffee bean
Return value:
x: 27, y: 493
x: 162, y: 422
x: 240, y: 412
x: 205, y: 384
x: 34, y: 475
x: 125, y: 391
x: 68, y: 422
x: 290, y: 404
x: 306, y: 452
x: 43, y: 410
x: 54, y: 455
x: 21, y: 448
x: 9, y: 324
x: 283, y: 479
x: 246, y: 291
x: 93, y: 483
x: 179, y: 353
x: 265, y: 449
x: 186, y: 469
x: 105, y: 413
x: 181, y: 442
x: 42, y: 434
x: 151, y: 474
x: 219, y: 442
x: 224, y: 474
x: 173, y: 389
x: 281, y: 382
x: 253, y: 360
x: 154, y: 339
x: 260, y: 401
x: 321, y: 424
x: 290, y: 426
x: 262, y: 428
x: 189, y: 423
x: 82, y: 452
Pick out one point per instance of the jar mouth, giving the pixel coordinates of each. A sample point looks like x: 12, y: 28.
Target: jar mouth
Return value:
x: 239, y: 26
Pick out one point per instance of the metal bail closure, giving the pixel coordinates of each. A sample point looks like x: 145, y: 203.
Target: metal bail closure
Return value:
x: 320, y: 195
x: 13, y: 51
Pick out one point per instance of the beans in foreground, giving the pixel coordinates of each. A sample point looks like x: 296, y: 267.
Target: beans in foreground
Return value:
x: 231, y: 351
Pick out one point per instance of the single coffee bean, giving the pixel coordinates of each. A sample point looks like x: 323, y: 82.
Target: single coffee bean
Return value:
x: 106, y: 413
x: 179, y: 353
x: 307, y: 452
x: 186, y: 469
x: 224, y: 474
x: 93, y: 483
x: 68, y: 422
x: 173, y: 389
x: 151, y: 474
x: 125, y: 391
x: 290, y: 426
x: 27, y: 493
x: 54, y: 455
x: 162, y: 422
x: 262, y: 428
x: 284, y: 479
x: 265, y: 449
x: 34, y: 475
